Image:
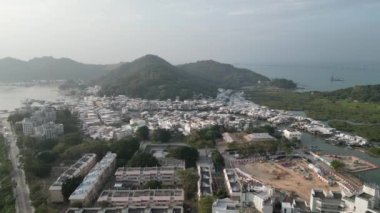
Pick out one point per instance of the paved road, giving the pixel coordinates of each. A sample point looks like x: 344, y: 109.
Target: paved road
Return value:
x: 23, y: 204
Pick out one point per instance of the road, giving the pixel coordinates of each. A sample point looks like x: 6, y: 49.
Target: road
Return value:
x: 21, y: 192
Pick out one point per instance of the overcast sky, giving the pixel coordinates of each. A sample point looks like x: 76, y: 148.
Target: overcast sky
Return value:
x: 233, y: 31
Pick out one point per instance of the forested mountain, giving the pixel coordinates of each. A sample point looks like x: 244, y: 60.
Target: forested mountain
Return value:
x: 223, y: 75
x: 366, y: 93
x: 49, y: 68
x: 154, y: 78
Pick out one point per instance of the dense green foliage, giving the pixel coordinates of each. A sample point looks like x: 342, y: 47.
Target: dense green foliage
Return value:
x: 188, y: 154
x: 142, y: 133
x: 143, y: 160
x: 346, y: 114
x: 205, y: 204
x: 7, y: 201
x: 125, y: 149
x: 375, y: 151
x: 283, y: 83
x: 367, y: 93
x: 69, y: 121
x: 189, y: 179
x: 205, y: 138
x: 223, y: 75
x: 217, y: 160
x: 337, y: 165
x: 49, y: 68
x: 69, y: 186
x: 154, y: 78
x: 161, y: 135
x: 13, y: 118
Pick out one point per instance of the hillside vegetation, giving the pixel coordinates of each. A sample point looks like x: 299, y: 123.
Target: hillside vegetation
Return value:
x: 49, y: 68
x: 222, y: 75
x: 152, y: 77
x: 355, y: 109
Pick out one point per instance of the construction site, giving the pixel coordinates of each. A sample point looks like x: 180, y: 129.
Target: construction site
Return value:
x: 292, y: 175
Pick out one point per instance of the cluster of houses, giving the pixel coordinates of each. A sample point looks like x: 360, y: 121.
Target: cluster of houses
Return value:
x: 41, y: 124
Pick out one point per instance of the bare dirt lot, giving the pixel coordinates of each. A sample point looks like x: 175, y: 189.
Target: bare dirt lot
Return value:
x: 292, y: 175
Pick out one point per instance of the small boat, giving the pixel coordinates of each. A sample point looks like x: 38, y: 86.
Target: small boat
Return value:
x: 333, y: 78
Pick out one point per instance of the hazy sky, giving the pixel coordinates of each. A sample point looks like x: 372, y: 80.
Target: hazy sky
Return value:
x: 234, y: 31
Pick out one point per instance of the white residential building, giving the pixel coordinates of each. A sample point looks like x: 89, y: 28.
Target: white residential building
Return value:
x: 225, y: 205
x: 27, y: 126
x: 288, y: 134
x: 150, y: 198
x: 205, y: 181
x: 233, y: 183
x: 88, y: 190
x: 138, y: 176
x: 322, y: 201
x: 79, y: 168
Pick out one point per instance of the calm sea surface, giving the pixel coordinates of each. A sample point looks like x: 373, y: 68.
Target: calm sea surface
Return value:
x: 11, y: 96
x: 318, y: 77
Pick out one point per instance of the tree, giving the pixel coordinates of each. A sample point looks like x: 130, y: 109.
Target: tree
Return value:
x: 161, y: 135
x: 72, y: 138
x: 205, y: 204
x: 153, y: 184
x: 125, y: 149
x: 217, y: 160
x: 143, y: 133
x: 189, y: 179
x: 188, y: 154
x: 69, y: 186
x: 222, y: 193
x: 143, y: 160
x: 337, y: 165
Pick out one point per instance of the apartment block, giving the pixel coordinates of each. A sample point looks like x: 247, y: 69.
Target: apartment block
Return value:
x: 138, y: 176
x: 79, y: 168
x: 322, y: 201
x: 233, y: 184
x: 205, y: 181
x: 143, y: 199
x: 89, y: 189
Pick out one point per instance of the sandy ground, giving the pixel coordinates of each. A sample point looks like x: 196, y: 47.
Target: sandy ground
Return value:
x: 287, y: 178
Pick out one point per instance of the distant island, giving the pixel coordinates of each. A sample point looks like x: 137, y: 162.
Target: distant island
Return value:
x: 49, y: 68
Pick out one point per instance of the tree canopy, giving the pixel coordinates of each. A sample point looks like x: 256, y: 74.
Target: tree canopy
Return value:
x: 188, y: 154
x: 161, y: 135
x: 142, y: 133
x: 205, y: 204
x: 189, y: 179
x: 337, y: 165
x: 143, y: 160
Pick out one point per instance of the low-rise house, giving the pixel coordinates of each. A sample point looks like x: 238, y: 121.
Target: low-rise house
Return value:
x: 288, y: 134
x: 225, y: 205
x: 259, y: 137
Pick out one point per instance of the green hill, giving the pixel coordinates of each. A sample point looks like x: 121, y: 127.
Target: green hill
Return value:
x: 154, y: 78
x: 223, y: 75
x: 49, y: 68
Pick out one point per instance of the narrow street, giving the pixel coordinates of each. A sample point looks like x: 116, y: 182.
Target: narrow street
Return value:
x: 21, y: 191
